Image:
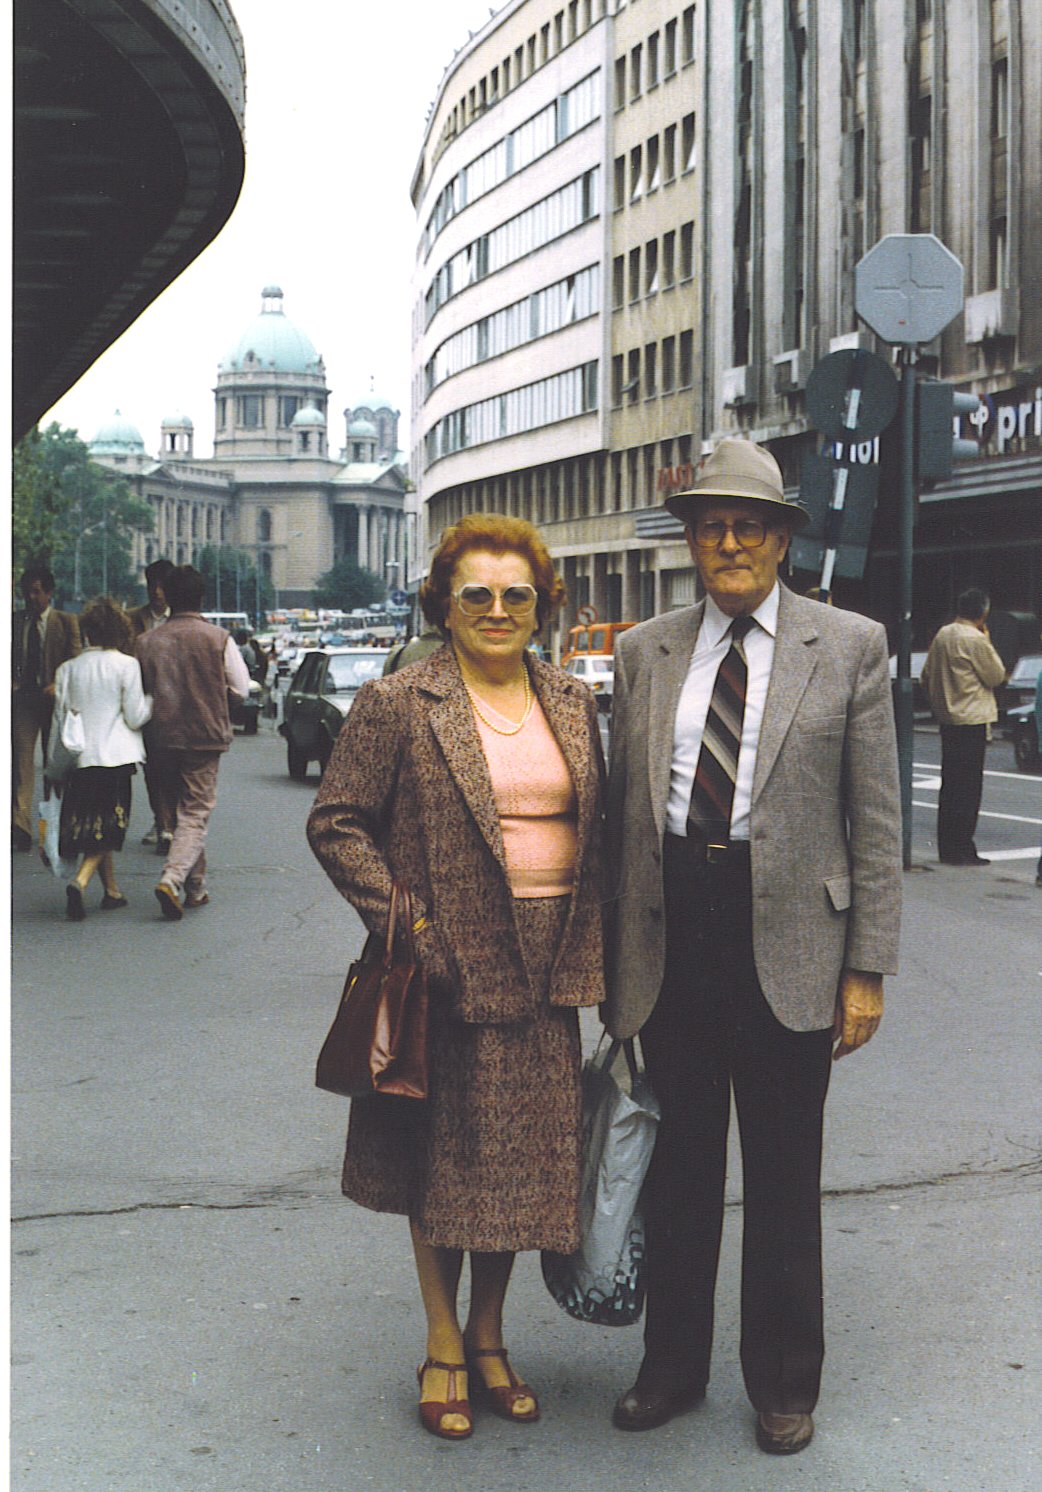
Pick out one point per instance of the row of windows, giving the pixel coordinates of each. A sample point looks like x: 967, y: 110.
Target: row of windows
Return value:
x: 656, y: 368
x: 550, y: 218
x: 564, y: 116
x: 560, y: 397
x: 179, y: 519
x: 652, y: 267
x: 571, y: 299
x: 250, y: 410
x: 567, y: 25
x: 584, y: 487
x: 654, y: 163
x: 655, y: 58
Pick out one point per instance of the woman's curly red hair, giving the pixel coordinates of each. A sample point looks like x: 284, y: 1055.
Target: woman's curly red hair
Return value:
x: 496, y: 534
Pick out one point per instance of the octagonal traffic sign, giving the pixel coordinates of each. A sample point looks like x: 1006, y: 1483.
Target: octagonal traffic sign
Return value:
x: 908, y: 287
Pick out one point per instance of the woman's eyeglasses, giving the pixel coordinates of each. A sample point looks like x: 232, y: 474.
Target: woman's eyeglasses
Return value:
x: 749, y: 532
x: 476, y: 600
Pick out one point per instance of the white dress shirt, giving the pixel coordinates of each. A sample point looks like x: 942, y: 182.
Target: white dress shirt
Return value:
x: 711, y: 648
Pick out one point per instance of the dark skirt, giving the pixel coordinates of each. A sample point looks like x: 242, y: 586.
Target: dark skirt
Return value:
x: 95, y: 811
x: 490, y: 1161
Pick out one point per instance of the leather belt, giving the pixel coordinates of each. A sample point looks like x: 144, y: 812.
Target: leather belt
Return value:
x: 729, y: 852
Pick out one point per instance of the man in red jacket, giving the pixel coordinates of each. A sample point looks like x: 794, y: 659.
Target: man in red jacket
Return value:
x: 188, y: 665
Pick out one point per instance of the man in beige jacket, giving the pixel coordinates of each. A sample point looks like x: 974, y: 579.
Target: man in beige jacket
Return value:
x: 961, y: 672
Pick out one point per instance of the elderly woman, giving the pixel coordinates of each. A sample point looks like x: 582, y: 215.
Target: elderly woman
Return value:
x: 104, y: 685
x: 474, y: 777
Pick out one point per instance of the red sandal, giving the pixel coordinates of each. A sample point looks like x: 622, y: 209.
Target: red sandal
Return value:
x: 501, y: 1400
x: 433, y: 1411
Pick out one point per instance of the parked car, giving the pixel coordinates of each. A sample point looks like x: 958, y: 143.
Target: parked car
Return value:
x: 1019, y: 688
x: 246, y: 712
x: 597, y: 670
x: 1023, y: 726
x: 322, y: 692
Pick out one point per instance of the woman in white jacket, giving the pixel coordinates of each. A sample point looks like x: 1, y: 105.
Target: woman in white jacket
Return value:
x: 104, y: 686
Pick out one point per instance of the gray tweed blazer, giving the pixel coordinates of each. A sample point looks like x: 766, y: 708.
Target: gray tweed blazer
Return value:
x: 407, y: 793
x: 825, y: 821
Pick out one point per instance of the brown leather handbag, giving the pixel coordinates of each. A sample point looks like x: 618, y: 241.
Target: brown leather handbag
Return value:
x: 378, y: 1040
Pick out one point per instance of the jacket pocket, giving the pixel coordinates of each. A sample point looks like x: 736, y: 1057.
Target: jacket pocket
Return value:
x: 839, y: 892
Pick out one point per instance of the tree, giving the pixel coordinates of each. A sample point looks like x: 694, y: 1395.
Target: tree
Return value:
x: 75, y: 517
x: 348, y: 585
x: 232, y: 582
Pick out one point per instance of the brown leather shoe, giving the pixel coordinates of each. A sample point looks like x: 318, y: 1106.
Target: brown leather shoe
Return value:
x: 784, y: 1434
x: 646, y: 1407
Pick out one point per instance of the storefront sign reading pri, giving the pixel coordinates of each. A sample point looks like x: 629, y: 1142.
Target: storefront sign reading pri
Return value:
x: 1012, y: 416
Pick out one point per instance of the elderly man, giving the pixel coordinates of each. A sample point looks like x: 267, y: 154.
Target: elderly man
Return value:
x: 145, y: 619
x: 188, y: 666
x: 754, y: 817
x: 42, y: 638
x: 960, y: 675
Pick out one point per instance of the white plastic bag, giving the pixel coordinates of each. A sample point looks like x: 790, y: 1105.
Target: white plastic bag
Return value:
x: 50, y: 810
x: 603, y: 1281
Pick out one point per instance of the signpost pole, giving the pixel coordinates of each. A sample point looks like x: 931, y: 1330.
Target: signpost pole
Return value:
x: 906, y: 521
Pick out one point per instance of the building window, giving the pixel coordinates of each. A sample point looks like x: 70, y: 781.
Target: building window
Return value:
x: 264, y: 526
x: 222, y: 413
x: 997, y: 244
x: 921, y: 149
x: 620, y: 182
x: 653, y: 41
x: 685, y: 371
x: 687, y: 142
x: 620, y: 82
x: 288, y: 406
x: 687, y: 251
x: 636, y: 71
x: 616, y: 379
x: 250, y: 410
x: 633, y: 375
x: 652, y: 154
x: 651, y: 267
x: 636, y: 172
x: 635, y: 274
x: 669, y: 49
x: 669, y: 152
x: 618, y: 281
x: 669, y: 364
x: 650, y: 370
x: 559, y: 397
x: 687, y: 35
x: 669, y: 274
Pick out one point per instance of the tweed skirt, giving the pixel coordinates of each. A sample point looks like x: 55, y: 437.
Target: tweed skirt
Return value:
x: 490, y: 1162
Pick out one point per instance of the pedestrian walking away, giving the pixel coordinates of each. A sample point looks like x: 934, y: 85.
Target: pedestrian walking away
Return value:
x: 188, y: 666
x: 755, y: 835
x: 474, y: 778
x: 42, y: 639
x: 103, y: 686
x: 961, y: 672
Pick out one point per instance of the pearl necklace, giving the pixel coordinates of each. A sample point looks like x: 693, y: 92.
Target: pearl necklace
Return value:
x: 514, y: 728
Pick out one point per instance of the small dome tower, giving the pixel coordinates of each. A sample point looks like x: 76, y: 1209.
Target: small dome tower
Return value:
x: 176, y: 435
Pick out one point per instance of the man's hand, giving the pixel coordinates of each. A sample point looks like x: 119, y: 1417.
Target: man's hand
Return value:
x: 859, y: 1009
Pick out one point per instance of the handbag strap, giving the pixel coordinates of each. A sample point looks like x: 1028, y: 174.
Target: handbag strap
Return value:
x: 400, y: 908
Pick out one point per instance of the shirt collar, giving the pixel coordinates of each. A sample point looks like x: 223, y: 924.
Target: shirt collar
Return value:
x: 716, y: 622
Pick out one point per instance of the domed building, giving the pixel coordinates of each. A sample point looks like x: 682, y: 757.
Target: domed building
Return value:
x: 271, y: 487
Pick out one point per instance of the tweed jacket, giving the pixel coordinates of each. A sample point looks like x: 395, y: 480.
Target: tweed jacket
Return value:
x: 61, y: 640
x: 825, y: 829
x: 407, y: 794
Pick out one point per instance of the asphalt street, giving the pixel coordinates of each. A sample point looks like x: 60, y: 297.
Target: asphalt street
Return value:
x: 195, y: 1306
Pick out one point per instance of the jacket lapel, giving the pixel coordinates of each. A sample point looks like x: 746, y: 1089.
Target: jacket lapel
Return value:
x: 795, y: 659
x: 668, y: 672
x: 452, y: 721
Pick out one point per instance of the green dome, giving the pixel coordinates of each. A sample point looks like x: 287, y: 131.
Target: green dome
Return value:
x: 308, y: 416
x: 117, y: 437
x: 362, y: 428
x: 274, y: 342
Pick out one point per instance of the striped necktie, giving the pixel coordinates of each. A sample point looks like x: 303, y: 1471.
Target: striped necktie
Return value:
x: 712, y: 793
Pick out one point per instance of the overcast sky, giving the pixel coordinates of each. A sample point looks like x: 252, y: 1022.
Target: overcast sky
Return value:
x: 337, y: 95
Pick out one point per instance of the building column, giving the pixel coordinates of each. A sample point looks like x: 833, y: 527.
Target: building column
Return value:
x: 363, y: 537
x: 599, y: 596
x: 631, y: 586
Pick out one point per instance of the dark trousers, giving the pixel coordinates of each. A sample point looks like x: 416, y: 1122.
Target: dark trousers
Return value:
x: 712, y: 1030
x: 962, y: 776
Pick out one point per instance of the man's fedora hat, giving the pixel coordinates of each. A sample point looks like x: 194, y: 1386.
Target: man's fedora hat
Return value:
x: 740, y: 469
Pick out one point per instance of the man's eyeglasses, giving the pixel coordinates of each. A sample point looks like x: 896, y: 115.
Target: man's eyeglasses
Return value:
x: 709, y: 533
x: 476, y: 600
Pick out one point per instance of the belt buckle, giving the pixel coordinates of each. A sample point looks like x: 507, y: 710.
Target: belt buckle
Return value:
x: 716, y: 854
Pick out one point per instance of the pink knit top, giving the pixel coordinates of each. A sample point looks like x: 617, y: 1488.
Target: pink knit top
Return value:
x: 537, y: 806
